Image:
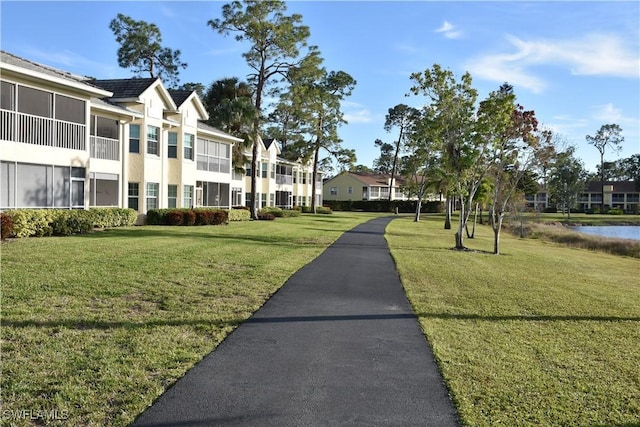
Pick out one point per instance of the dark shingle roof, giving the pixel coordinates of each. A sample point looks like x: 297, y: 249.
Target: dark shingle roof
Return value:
x: 179, y: 96
x: 618, y: 186
x: 125, y: 88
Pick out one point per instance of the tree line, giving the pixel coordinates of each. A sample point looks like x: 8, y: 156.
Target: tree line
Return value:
x: 478, y: 154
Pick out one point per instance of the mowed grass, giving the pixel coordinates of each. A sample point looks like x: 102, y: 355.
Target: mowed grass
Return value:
x: 96, y: 327
x: 543, y: 335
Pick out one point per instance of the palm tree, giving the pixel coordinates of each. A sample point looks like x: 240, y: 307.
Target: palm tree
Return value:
x: 230, y: 106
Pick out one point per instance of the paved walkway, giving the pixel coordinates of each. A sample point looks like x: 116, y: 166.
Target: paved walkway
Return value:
x: 337, y: 345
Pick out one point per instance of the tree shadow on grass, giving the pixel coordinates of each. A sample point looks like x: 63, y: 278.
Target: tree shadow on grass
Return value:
x: 534, y: 318
x: 191, y: 234
x: 105, y: 325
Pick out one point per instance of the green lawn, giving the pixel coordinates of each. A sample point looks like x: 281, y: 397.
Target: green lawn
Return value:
x: 542, y: 335
x: 95, y: 327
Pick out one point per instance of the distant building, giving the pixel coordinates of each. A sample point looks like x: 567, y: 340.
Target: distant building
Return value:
x: 362, y: 186
x: 617, y: 194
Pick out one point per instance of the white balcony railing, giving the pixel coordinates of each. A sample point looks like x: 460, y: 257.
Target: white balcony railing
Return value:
x: 104, y: 148
x: 29, y: 129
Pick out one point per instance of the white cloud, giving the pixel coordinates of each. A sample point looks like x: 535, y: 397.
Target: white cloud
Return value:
x: 449, y: 30
x: 68, y: 61
x: 609, y: 114
x: 594, y: 54
x: 356, y: 113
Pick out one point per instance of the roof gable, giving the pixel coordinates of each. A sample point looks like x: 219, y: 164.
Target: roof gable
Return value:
x: 183, y: 97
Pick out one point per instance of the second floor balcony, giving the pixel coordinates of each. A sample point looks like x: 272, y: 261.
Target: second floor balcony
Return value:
x: 44, y: 131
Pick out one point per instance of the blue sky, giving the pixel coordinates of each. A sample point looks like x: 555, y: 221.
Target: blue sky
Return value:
x: 577, y: 64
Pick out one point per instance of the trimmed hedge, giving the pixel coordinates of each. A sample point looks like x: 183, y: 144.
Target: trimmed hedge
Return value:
x: 113, y: 217
x: 279, y: 213
x: 64, y: 222
x: 403, y: 206
x: 188, y: 217
x: 239, y: 214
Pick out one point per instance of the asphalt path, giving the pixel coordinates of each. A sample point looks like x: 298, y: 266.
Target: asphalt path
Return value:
x: 337, y: 345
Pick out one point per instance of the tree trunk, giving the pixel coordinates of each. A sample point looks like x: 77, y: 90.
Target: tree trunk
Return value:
x: 418, y: 207
x: 395, y: 161
x: 447, y: 215
x: 254, y: 178
x: 475, y: 220
x: 313, y: 178
x: 496, y: 234
x: 461, y: 222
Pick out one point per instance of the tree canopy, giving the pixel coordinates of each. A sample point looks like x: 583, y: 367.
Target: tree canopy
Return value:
x: 141, y: 49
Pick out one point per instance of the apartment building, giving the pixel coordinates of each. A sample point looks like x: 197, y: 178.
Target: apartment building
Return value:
x: 363, y: 186
x: 70, y: 142
x: 282, y: 183
x: 617, y: 194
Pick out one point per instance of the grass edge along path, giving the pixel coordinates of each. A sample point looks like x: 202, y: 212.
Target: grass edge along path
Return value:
x: 541, y: 335
x: 96, y: 327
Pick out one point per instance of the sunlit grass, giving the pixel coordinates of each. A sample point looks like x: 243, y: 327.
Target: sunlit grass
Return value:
x: 96, y: 327
x: 543, y: 335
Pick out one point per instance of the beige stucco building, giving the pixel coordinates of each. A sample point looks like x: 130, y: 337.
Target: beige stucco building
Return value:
x: 70, y: 142
x: 362, y: 186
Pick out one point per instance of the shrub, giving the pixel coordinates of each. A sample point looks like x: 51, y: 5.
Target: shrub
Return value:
x: 174, y: 218
x: 156, y: 217
x: 551, y: 209
x: 67, y: 223
x: 239, y: 215
x: 324, y: 210
x: 615, y: 211
x: 6, y: 226
x: 189, y: 217
x: 266, y: 217
x: 201, y: 218
x: 32, y: 222
x: 220, y: 217
x: 113, y: 217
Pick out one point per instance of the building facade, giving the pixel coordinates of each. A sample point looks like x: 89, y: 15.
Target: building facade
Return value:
x: 70, y: 142
x: 617, y: 194
x: 362, y: 186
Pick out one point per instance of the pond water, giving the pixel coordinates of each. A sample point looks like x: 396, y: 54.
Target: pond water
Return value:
x: 615, y: 231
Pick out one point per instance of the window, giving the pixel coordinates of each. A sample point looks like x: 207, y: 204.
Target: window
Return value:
x: 152, y: 195
x: 350, y: 190
x: 104, y: 128
x: 265, y: 169
x: 153, y: 136
x: 134, y: 139
x: 70, y: 109
x: 247, y: 200
x: 247, y: 168
x: 34, y: 101
x: 172, y: 196
x: 273, y: 171
x: 8, y: 96
x: 236, y: 196
x: 172, y: 145
x: 213, y: 156
x: 24, y: 185
x: 213, y: 193
x: 304, y: 177
x: 295, y: 177
x: 134, y: 195
x: 334, y: 191
x: 272, y: 199
x: 263, y: 200
x: 188, y: 146
x: 187, y: 196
